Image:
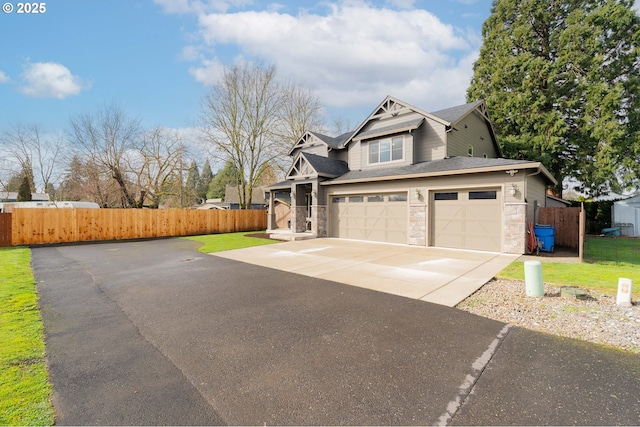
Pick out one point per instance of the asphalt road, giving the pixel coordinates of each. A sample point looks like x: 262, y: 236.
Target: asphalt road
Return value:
x: 155, y: 333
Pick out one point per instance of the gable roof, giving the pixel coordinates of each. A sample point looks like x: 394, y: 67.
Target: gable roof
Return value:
x: 457, y: 113
x: 310, y: 137
x: 333, y: 142
x: 308, y: 165
x: 398, y: 127
x: 448, y: 166
x: 391, y: 106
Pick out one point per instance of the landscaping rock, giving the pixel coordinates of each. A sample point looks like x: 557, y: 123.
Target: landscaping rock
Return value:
x: 596, y: 319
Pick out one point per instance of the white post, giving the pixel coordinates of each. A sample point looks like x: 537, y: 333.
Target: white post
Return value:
x: 624, y: 292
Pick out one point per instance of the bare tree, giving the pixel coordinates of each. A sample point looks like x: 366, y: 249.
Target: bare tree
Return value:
x: 252, y: 121
x: 160, y: 162
x: 34, y: 151
x: 239, y: 118
x: 300, y: 111
x: 105, y: 139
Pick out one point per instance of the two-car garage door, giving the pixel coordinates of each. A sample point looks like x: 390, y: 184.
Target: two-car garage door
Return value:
x: 463, y: 219
x: 376, y: 217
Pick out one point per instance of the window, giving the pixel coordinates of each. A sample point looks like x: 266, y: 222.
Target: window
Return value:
x: 482, y: 195
x: 386, y: 150
x: 337, y: 199
x: 400, y: 197
x: 378, y: 198
x: 356, y: 199
x: 470, y: 150
x: 446, y: 196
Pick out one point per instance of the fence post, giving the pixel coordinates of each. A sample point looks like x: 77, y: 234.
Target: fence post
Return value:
x: 583, y: 222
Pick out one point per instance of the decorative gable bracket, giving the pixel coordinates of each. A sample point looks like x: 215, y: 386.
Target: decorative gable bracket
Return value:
x: 301, y: 168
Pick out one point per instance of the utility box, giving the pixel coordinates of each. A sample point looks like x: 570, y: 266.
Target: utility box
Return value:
x: 533, y: 278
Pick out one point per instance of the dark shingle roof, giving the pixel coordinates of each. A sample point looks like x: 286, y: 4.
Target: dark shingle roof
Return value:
x: 335, y: 142
x: 437, y: 166
x: 454, y: 114
x: 409, y: 124
x: 325, y: 165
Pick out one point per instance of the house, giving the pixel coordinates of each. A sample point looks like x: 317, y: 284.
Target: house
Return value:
x: 625, y: 215
x: 232, y: 198
x: 412, y: 177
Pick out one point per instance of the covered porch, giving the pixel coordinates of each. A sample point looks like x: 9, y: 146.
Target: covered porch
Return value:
x: 295, y: 211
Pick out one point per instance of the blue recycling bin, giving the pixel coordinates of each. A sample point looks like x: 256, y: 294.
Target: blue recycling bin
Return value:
x: 546, y: 235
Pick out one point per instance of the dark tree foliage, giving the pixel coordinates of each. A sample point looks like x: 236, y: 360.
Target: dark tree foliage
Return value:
x: 24, y: 192
x: 562, y: 82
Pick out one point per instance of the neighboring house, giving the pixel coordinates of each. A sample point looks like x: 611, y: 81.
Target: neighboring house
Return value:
x: 625, y: 215
x: 412, y: 177
x: 232, y: 198
x: 12, y: 196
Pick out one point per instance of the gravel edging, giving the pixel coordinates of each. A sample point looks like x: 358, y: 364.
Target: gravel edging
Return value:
x: 597, y: 319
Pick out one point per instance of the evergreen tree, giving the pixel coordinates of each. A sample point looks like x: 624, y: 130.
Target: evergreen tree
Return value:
x: 562, y: 83
x: 228, y: 175
x: 24, y: 193
x: 191, y: 186
x: 205, y: 179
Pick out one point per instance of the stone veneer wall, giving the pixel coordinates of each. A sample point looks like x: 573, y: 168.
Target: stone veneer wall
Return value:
x: 319, y: 218
x: 418, y: 225
x: 299, y: 219
x: 515, y: 228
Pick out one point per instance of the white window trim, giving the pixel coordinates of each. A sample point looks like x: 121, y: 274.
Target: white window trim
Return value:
x: 390, y: 138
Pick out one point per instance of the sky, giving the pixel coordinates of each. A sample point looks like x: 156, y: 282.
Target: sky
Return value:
x: 157, y: 59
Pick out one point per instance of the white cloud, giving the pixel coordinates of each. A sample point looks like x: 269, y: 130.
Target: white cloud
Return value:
x: 354, y: 55
x: 4, y: 78
x: 49, y: 80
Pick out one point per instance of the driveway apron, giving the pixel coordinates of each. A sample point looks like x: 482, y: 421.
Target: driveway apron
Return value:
x: 156, y: 333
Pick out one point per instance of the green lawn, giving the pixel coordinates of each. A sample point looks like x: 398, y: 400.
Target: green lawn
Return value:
x: 618, y: 250
x: 228, y: 241
x: 24, y: 386
x: 600, y: 277
x: 599, y: 272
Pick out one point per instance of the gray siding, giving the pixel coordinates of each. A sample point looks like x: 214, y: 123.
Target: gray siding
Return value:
x: 354, y: 155
x: 536, y: 192
x: 430, y: 142
x: 476, y: 133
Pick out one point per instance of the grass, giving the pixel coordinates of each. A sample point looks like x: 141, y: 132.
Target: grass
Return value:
x: 228, y: 241
x: 25, y: 391
x: 607, y: 249
x: 598, y: 274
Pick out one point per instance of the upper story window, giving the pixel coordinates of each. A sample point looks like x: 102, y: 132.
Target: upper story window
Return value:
x: 386, y: 150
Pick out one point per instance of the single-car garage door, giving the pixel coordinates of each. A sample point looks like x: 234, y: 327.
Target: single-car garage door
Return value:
x: 467, y: 219
x: 376, y: 217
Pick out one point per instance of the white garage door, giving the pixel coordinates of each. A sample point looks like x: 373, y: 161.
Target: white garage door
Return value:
x: 376, y: 217
x: 467, y: 219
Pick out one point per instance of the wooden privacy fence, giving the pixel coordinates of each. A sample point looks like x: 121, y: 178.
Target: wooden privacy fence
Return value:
x: 568, y: 224
x: 38, y: 226
x: 5, y: 229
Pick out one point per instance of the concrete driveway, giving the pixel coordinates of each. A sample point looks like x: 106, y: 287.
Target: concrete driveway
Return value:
x: 437, y: 275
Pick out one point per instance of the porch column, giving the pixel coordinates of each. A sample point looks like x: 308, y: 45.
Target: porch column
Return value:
x: 318, y: 210
x: 298, y: 209
x: 271, y: 216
